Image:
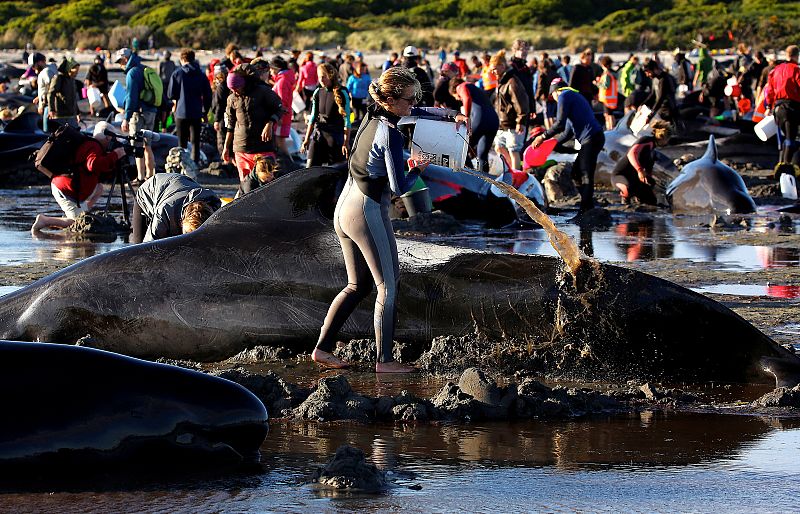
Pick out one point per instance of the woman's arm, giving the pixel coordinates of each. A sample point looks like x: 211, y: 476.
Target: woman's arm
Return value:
x: 466, y: 99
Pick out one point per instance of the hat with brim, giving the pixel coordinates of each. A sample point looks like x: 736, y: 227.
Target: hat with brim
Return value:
x: 122, y: 53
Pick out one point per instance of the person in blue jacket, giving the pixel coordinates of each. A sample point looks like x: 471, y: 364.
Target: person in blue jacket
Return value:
x: 190, y: 89
x: 358, y: 86
x: 576, y: 119
x: 138, y: 115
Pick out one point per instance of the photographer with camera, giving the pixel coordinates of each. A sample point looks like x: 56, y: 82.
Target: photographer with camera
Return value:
x: 168, y: 204
x: 79, y: 191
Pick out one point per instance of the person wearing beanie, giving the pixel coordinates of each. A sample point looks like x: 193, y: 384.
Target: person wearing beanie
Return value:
x: 252, y: 112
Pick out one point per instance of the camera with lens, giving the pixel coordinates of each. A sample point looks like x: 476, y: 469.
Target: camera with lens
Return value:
x: 134, y: 144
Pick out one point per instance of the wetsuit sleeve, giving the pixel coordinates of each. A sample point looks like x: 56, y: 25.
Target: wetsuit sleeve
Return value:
x: 635, y: 154
x: 568, y: 134
x: 391, y: 141
x: 466, y: 99
x: 347, y: 109
x: 561, y: 118
x: 314, y: 107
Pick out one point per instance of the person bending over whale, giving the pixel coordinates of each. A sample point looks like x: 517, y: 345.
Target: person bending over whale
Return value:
x: 573, y: 108
x: 361, y: 218
x: 633, y: 174
x: 169, y: 204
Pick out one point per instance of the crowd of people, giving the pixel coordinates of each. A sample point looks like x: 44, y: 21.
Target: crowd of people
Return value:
x: 509, y: 100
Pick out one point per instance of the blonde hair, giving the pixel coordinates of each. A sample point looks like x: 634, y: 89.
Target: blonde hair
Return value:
x: 498, y: 58
x: 392, y: 83
x: 194, y: 215
x: 265, y: 166
x: 662, y: 131
x: 330, y: 72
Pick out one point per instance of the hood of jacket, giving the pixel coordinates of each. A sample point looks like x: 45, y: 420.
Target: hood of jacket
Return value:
x: 67, y: 64
x: 133, y: 62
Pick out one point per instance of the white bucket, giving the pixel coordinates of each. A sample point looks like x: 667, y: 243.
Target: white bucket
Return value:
x: 766, y: 128
x: 298, y: 104
x: 117, y: 95
x: 440, y: 143
x: 639, y: 121
x: 788, y: 186
x: 94, y: 96
x: 682, y: 91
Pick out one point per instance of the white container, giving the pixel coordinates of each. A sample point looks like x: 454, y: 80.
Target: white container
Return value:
x: 117, y: 96
x: 788, y: 186
x: 766, y: 128
x: 682, y: 91
x: 298, y: 104
x: 94, y: 96
x: 440, y: 143
x: 639, y: 121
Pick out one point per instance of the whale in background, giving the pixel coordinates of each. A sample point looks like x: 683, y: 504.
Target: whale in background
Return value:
x: 707, y: 186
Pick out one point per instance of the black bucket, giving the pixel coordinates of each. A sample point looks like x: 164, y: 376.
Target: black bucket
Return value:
x: 417, y: 202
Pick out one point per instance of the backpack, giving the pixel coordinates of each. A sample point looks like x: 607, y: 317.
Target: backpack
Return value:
x: 57, y: 154
x: 153, y: 89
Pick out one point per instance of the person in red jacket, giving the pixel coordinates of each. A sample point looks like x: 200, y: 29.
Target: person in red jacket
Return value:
x: 77, y: 195
x: 283, y: 84
x: 783, y: 98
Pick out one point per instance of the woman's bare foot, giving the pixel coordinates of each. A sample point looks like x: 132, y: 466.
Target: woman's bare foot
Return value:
x: 393, y: 367
x: 39, y: 224
x: 328, y: 360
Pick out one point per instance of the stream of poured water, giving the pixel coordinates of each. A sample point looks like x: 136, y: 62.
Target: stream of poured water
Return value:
x: 561, y: 242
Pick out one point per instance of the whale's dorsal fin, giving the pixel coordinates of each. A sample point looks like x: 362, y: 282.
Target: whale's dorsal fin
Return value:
x: 711, y: 151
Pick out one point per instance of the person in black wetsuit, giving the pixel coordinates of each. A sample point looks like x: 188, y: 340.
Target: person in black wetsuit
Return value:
x: 483, y: 119
x: 633, y: 174
x: 328, y: 133
x: 441, y: 93
x: 662, y: 97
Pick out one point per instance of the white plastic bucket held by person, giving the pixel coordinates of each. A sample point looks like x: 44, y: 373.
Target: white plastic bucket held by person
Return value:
x: 298, y: 104
x: 639, y: 121
x: 95, y: 97
x: 766, y: 128
x: 439, y: 142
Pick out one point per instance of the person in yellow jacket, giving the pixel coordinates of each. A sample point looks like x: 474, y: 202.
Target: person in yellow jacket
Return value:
x: 488, y: 79
x: 608, y: 87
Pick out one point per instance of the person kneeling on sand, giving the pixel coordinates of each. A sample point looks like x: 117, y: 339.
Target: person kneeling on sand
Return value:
x: 633, y: 174
x: 169, y: 204
x: 80, y: 190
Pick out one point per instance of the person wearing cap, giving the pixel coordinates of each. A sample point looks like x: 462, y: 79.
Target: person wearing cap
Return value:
x: 191, y: 91
x: 62, y: 94
x: 252, y: 112
x: 138, y: 115
x: 576, y: 119
x: 411, y: 61
x: 80, y: 190
x: 463, y: 67
x: 441, y: 92
x: 283, y: 82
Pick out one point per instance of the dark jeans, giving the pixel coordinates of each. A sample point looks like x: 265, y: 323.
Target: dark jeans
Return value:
x: 584, y: 167
x: 787, y: 116
x: 185, y: 128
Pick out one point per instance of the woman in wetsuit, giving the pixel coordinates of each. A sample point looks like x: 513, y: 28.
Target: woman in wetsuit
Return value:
x: 361, y: 218
x: 328, y: 133
x: 483, y: 119
x: 633, y: 174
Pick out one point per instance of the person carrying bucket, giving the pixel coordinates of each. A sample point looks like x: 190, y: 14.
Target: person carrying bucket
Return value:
x: 575, y: 109
x: 783, y: 98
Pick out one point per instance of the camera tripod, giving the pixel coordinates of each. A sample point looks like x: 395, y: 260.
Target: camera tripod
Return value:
x: 121, y: 177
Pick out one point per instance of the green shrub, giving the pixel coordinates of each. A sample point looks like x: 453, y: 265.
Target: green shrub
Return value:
x: 322, y: 24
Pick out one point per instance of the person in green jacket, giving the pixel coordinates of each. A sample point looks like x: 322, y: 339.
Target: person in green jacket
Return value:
x: 627, y: 79
x: 705, y: 63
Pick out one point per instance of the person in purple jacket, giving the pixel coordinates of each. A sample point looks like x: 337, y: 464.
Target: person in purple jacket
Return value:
x: 191, y: 91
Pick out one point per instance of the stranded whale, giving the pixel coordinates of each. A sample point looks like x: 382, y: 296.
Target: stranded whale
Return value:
x: 78, y: 409
x: 710, y: 187
x: 263, y: 270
